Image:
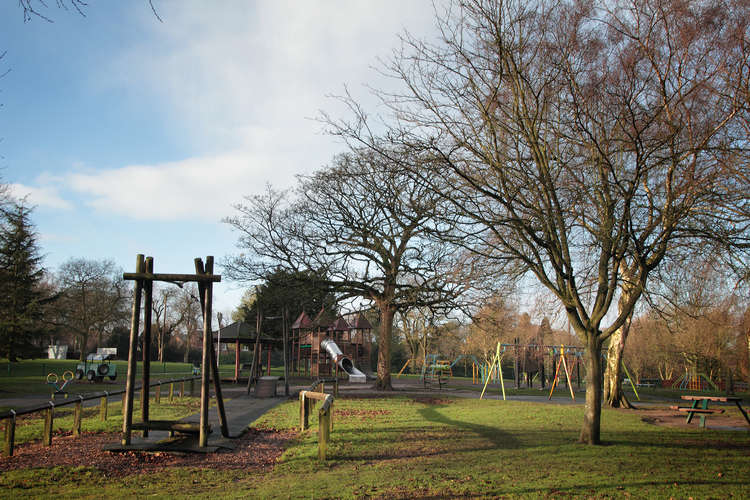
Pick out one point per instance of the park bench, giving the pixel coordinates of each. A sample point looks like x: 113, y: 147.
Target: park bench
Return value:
x: 169, y: 425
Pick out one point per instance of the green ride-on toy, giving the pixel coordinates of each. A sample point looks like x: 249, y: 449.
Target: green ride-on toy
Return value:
x: 96, y: 367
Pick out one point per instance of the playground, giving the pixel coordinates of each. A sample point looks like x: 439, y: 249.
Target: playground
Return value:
x: 410, y: 444
x: 508, y: 429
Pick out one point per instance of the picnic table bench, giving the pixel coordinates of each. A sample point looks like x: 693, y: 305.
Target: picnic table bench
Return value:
x: 703, y: 411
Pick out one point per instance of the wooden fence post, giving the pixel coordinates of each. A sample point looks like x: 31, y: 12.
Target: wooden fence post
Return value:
x: 182, y: 389
x: 77, y: 416
x: 303, y: 421
x: 48, y: 422
x: 323, y: 433
x: 157, y: 393
x: 103, y: 407
x: 171, y: 391
x: 10, y: 434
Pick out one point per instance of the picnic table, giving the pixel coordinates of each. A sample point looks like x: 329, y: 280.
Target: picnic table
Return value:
x: 703, y: 411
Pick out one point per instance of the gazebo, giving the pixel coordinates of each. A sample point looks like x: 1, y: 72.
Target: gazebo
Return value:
x: 241, y: 333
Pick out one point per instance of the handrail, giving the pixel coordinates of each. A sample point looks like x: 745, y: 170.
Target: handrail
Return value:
x: 325, y: 413
x: 95, y: 395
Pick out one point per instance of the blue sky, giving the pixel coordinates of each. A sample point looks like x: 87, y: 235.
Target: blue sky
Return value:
x: 133, y: 136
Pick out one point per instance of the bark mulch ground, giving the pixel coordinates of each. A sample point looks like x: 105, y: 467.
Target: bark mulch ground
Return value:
x: 671, y: 418
x: 256, y: 450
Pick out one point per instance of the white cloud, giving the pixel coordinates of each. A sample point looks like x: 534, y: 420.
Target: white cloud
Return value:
x: 253, y: 65
x: 41, y: 196
x: 243, y: 78
x: 193, y: 189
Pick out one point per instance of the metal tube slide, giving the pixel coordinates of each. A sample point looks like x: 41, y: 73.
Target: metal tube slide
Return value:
x: 344, y: 362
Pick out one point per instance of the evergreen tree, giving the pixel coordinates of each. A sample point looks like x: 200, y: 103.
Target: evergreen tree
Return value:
x: 20, y: 276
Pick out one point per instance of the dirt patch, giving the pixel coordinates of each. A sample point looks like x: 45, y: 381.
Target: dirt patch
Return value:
x: 256, y: 450
x: 433, y: 401
x: 671, y: 418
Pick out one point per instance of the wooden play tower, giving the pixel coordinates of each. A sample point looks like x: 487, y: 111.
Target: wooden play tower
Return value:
x: 352, y: 333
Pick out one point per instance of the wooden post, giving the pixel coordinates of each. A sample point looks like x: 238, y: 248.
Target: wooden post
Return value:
x: 127, y: 410
x: 77, y: 417
x: 49, y: 419
x: 285, y: 333
x: 323, y: 433
x: 103, y: 407
x: 171, y: 392
x: 302, y: 411
x: 207, y: 302
x: 268, y: 369
x: 148, y: 288
x: 10, y: 434
x: 330, y: 416
x: 256, y: 353
x: 237, y: 358
x: 182, y: 389
x: 203, y: 435
x: 157, y: 393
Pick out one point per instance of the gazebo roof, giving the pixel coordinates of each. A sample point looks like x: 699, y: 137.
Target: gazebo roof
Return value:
x: 239, y: 330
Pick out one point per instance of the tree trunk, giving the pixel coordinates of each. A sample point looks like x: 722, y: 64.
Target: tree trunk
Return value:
x: 613, y: 393
x: 593, y: 410
x: 384, y: 348
x: 84, y: 343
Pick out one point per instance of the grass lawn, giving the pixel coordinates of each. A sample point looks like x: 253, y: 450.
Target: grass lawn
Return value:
x: 30, y: 376
x: 411, y: 448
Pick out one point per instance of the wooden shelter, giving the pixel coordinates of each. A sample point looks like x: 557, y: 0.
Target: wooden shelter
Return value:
x: 240, y: 333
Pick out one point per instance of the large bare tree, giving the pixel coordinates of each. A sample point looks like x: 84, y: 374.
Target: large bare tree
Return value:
x: 93, y: 299
x: 579, y: 139
x: 365, y: 225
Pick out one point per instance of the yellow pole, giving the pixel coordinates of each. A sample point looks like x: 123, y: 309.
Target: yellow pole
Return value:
x: 487, y: 381
x: 567, y: 375
x: 403, y: 368
x: 500, y: 368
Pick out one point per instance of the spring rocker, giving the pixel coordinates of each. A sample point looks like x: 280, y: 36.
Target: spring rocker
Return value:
x: 53, y: 379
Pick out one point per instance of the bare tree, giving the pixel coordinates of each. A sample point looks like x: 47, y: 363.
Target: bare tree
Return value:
x: 365, y: 225
x: 93, y: 299
x: 579, y: 139
x: 417, y: 326
x: 168, y: 315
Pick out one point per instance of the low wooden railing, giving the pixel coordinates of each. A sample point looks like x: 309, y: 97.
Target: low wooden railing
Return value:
x: 325, y: 412
x: 49, y: 409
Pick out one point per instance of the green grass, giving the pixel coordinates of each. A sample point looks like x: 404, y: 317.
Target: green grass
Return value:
x: 405, y: 448
x: 30, y: 376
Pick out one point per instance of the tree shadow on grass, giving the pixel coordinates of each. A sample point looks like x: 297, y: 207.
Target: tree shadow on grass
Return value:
x: 499, y: 439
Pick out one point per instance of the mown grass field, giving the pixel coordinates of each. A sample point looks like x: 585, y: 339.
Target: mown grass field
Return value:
x: 418, y: 448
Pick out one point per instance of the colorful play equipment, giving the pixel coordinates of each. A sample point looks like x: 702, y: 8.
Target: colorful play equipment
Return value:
x: 692, y: 381
x: 327, y: 344
x: 53, y: 379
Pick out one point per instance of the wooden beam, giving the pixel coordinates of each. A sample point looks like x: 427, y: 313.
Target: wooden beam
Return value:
x: 181, y: 278
x: 148, y: 291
